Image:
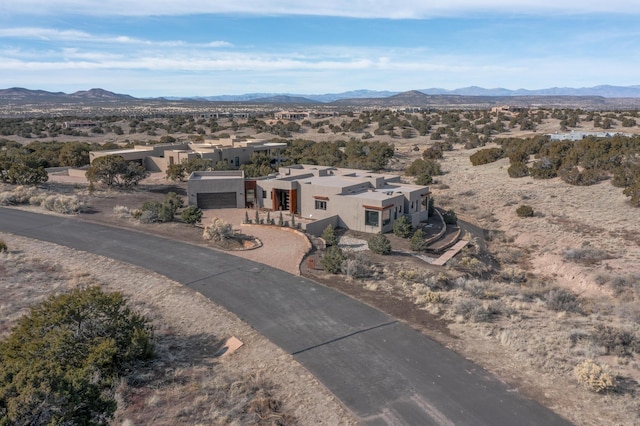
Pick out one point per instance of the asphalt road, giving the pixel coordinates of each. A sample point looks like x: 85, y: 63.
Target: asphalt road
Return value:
x: 381, y: 369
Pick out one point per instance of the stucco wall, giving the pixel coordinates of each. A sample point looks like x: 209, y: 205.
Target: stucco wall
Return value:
x: 217, y: 185
x: 316, y: 227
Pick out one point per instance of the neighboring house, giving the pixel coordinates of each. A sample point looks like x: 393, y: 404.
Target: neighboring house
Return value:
x: 578, y: 136
x: 508, y: 109
x: 80, y: 124
x: 233, y: 152
x: 349, y: 198
x: 291, y: 115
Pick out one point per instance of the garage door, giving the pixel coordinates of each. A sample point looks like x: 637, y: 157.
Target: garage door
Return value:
x: 218, y: 200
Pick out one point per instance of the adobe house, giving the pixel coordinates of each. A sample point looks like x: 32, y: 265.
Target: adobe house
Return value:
x: 349, y: 198
x: 234, y: 152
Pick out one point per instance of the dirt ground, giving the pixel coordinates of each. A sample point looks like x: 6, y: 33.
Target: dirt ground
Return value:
x: 529, y: 346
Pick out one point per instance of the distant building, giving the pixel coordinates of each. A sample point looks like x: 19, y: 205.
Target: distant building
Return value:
x: 301, y: 115
x: 80, y: 124
x: 578, y: 136
x: 291, y: 115
x: 508, y: 110
x: 233, y: 152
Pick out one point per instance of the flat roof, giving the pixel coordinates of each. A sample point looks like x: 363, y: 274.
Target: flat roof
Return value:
x: 213, y: 175
x: 123, y: 151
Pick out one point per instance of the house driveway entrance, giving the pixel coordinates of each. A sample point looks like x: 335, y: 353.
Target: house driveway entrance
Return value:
x: 282, y: 248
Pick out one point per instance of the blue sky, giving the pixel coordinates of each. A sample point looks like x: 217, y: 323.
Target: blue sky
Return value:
x: 189, y: 48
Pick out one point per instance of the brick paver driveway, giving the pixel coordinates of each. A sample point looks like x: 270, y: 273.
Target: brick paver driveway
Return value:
x: 282, y: 248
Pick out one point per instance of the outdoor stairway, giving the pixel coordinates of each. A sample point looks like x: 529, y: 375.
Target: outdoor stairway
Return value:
x: 452, y: 251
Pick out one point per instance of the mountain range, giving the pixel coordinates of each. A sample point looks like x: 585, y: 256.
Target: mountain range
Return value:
x: 598, y: 96
x: 605, y: 91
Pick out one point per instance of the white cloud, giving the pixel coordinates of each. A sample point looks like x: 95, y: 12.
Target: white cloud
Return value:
x: 412, y: 9
x: 50, y: 34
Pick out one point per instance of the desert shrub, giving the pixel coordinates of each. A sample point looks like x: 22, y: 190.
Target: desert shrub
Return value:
x: 524, y: 211
x: 439, y: 282
x: 424, y: 179
x: 3, y: 247
x: 63, y: 360
x: 424, y: 167
x: 431, y: 206
x: 218, y: 230
x: 155, y: 211
x: 486, y: 156
x: 410, y: 275
x: 561, y: 300
x: 329, y: 236
x: 595, y: 377
x: 543, y: 169
x: 148, y: 216
x: 191, y: 215
x: 616, y: 341
x: 151, y: 212
x: 20, y: 195
x: 379, y: 244
x: 473, y: 310
x: 513, y: 275
x: 518, y: 156
x: 432, y: 153
x: 357, y: 266
x: 450, y: 217
x: 586, y: 254
x: 573, y: 175
x: 122, y: 212
x: 333, y: 259
x: 402, y: 227
x: 518, y: 170
x: 633, y: 192
x: 431, y: 297
x: 63, y: 204
x: 417, y: 241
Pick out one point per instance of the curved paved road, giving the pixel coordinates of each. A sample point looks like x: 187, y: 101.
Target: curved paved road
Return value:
x: 381, y: 369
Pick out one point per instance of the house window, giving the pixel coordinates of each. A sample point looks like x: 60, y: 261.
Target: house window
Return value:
x: 264, y: 194
x: 371, y: 218
x: 386, y: 217
x: 321, y: 205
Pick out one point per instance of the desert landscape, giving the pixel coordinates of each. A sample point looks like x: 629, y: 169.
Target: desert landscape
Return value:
x: 532, y: 300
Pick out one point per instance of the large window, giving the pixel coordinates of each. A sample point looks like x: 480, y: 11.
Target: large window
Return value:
x: 321, y: 205
x: 386, y: 217
x: 371, y: 218
x: 251, y: 195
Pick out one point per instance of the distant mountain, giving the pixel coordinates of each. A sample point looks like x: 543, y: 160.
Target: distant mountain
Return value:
x: 99, y: 94
x: 284, y: 99
x: 605, y: 91
x: 468, y: 97
x: 22, y: 95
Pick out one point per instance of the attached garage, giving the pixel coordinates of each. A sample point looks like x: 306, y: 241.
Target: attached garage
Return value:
x: 219, y: 200
x: 217, y: 189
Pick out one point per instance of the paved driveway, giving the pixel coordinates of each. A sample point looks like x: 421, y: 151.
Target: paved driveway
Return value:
x: 282, y: 248
x: 381, y: 369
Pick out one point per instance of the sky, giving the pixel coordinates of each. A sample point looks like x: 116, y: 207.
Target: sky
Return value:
x: 149, y: 48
